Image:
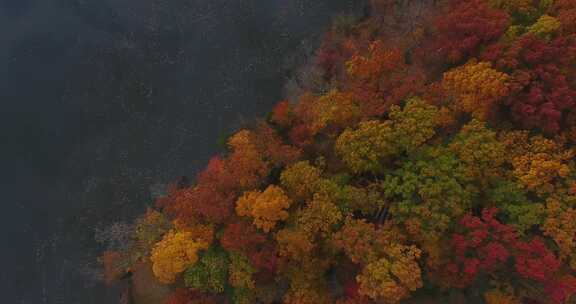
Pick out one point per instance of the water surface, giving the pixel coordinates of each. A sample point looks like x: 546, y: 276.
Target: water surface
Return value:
x: 104, y: 101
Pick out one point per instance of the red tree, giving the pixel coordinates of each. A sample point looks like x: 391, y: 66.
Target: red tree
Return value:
x: 465, y: 27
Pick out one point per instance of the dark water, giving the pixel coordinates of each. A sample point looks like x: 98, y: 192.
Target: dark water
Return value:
x: 104, y: 101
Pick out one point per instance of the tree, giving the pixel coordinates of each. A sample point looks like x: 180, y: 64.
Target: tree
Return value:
x: 244, y: 238
x: 522, y: 12
x: 560, y: 225
x: 381, y: 78
x: 486, y: 244
x: 496, y: 296
x: 431, y: 189
x: 308, y: 282
x: 541, y: 165
x: 267, y: 208
x: 187, y: 296
x: 282, y: 114
x: 366, y: 200
x: 246, y: 163
x: 476, y: 88
x: 273, y: 149
x: 240, y: 271
x: 149, y: 228
x: 566, y: 12
x: 329, y: 112
x: 394, y: 277
x: 414, y: 124
x: 540, y: 92
x: 367, y: 147
x: 511, y: 198
x: 482, y: 247
x: 241, y: 237
x: 210, y: 200
x: 300, y: 179
x: 173, y: 254
x: 465, y: 26
x: 481, y: 152
x: 203, y: 201
x: 294, y: 244
x: 319, y: 216
x: 362, y: 149
x: 210, y: 273
x: 545, y: 26
x: 363, y: 242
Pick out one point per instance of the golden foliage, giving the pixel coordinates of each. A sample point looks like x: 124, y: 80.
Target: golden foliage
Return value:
x: 300, y: 180
x: 541, y: 164
x: 362, y: 149
x: 545, y: 25
x: 478, y: 147
x: 267, y: 208
x: 560, y: 225
x: 173, y: 254
x: 476, y: 87
x: 246, y: 163
x: 319, y: 216
x: 392, y: 278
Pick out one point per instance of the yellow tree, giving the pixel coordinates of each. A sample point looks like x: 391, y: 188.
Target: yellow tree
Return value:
x: 476, y: 87
x: 149, y: 228
x: 173, y: 254
x: 246, y: 163
x: 363, y: 148
x: 478, y: 147
x: 308, y: 284
x: 414, y: 124
x: 319, y: 216
x: 294, y: 244
x: 545, y: 26
x: 334, y: 109
x: 542, y: 164
x: 300, y: 180
x: 267, y: 208
x: 390, y: 279
x: 408, y: 128
x: 560, y: 225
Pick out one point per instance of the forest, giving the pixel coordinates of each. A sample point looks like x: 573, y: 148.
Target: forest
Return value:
x: 428, y: 157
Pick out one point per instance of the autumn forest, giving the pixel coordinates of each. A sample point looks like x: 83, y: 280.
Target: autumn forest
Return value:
x: 428, y: 157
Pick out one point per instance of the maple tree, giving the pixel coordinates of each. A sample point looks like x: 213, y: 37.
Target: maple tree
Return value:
x: 541, y: 94
x: 466, y: 26
x: 381, y: 78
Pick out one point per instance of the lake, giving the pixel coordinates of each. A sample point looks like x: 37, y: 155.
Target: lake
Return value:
x: 105, y: 101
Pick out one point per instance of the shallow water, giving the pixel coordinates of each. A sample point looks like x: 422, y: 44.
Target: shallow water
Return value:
x: 105, y: 101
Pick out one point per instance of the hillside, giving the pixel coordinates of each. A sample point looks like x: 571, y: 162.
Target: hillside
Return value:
x: 426, y: 156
